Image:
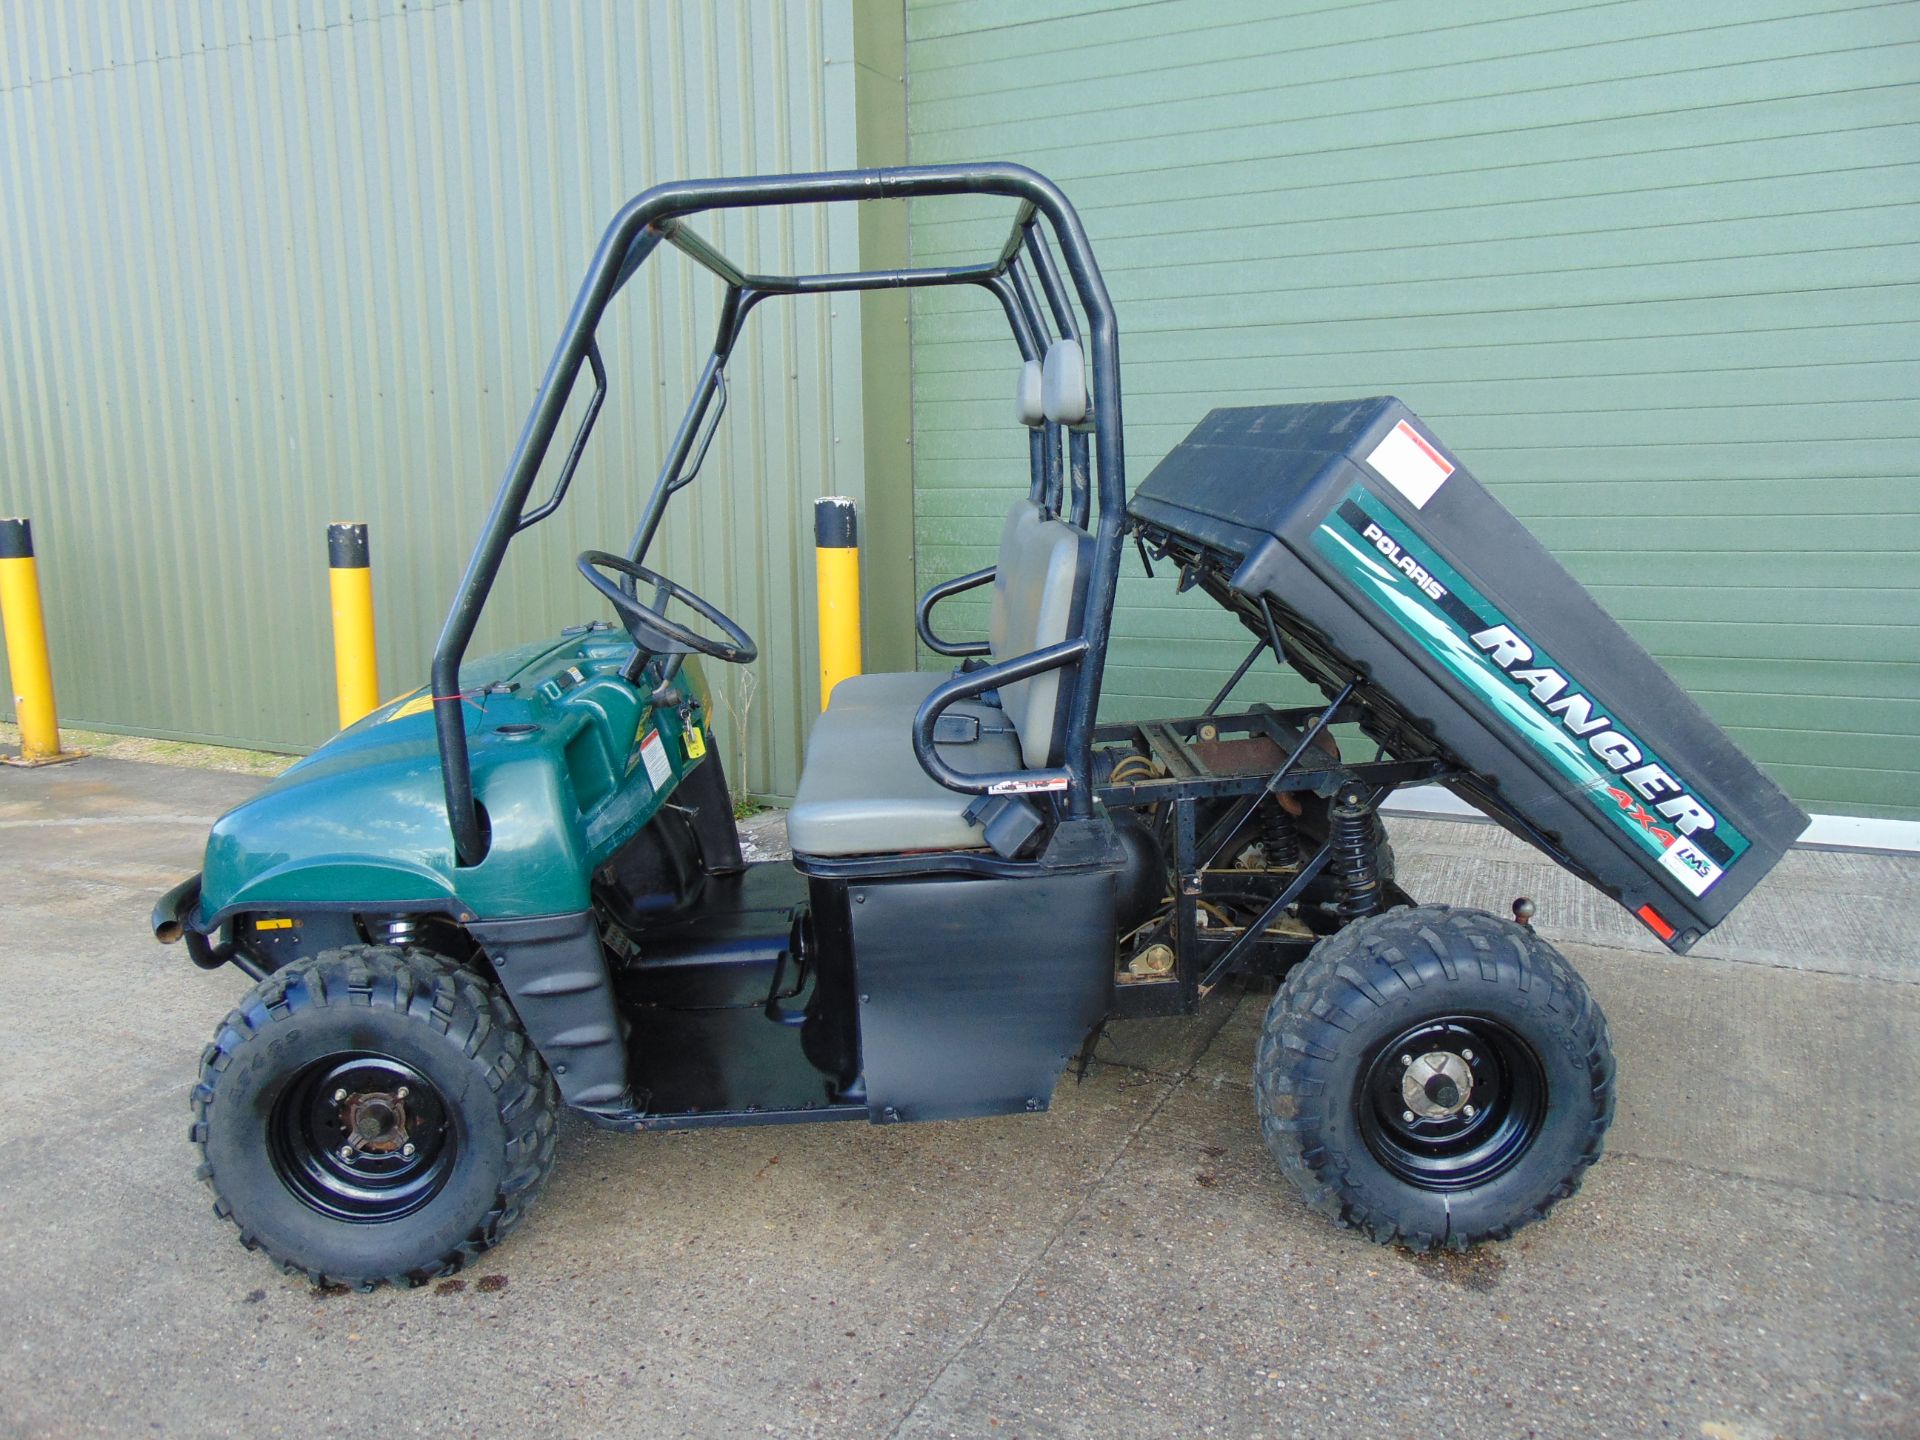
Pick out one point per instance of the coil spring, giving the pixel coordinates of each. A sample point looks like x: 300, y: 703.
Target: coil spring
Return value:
x: 1279, y: 839
x: 1355, y: 863
x: 399, y: 932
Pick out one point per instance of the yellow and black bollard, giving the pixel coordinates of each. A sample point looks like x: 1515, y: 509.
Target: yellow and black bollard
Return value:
x: 837, y: 580
x: 27, y: 660
x: 356, y: 672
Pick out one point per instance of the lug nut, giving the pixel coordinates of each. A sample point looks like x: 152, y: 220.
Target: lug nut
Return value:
x: 346, y: 1152
x: 401, y: 1093
x: 339, y: 1096
x: 1466, y: 1055
x: 407, y: 1149
x: 1468, y: 1112
x: 1406, y: 1060
x: 1407, y: 1115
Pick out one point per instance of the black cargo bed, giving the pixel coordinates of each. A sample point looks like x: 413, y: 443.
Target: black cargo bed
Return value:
x: 1380, y: 556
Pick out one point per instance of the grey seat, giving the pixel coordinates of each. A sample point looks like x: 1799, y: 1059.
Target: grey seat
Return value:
x: 1044, y: 584
x: 863, y: 790
x: 907, y: 688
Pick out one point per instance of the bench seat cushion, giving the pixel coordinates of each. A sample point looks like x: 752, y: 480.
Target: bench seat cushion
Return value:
x: 862, y: 791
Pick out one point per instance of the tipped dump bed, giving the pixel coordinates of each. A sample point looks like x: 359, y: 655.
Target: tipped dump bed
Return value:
x: 1378, y: 554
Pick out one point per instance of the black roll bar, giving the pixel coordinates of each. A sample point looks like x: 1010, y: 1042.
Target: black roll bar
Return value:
x: 976, y: 682
x: 1025, y: 337
x: 1056, y: 293
x: 574, y: 451
x: 658, y: 215
x: 946, y: 589
x: 712, y: 382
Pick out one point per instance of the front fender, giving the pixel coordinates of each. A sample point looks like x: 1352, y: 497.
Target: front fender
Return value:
x: 334, y: 881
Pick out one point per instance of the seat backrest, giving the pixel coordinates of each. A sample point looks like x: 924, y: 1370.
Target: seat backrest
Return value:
x: 1063, y: 383
x: 1030, y: 395
x: 1044, y: 584
x: 1013, y: 544
x: 1040, y: 577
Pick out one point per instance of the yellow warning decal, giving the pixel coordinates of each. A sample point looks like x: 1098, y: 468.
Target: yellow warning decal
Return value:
x: 419, y: 704
x: 696, y: 742
x: 282, y: 923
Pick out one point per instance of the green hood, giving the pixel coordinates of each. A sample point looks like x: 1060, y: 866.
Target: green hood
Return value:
x: 556, y: 738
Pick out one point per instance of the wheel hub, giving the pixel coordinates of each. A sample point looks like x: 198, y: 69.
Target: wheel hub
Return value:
x: 362, y: 1137
x: 1451, y: 1102
x: 376, y: 1121
x: 1437, y: 1085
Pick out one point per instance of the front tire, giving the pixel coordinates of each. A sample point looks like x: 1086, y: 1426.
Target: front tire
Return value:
x: 373, y: 1115
x: 1434, y: 1077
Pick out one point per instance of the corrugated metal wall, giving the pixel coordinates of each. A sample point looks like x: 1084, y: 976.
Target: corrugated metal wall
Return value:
x: 1651, y: 268
x: 266, y: 265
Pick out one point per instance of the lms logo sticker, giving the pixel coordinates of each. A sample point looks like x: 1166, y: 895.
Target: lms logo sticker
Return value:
x: 1687, y: 864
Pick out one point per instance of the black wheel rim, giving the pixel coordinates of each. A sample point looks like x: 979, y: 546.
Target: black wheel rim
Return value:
x: 362, y: 1137
x: 1466, y: 1109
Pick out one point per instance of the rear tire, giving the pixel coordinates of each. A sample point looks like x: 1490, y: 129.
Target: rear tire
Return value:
x: 373, y: 1115
x: 1504, y: 1105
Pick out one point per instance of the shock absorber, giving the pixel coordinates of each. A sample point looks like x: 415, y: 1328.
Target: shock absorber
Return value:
x: 1354, y: 863
x: 1279, y: 839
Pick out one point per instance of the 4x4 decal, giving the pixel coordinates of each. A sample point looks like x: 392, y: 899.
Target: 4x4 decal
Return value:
x: 1638, y: 813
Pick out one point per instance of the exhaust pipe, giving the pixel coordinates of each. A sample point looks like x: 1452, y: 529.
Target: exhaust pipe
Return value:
x: 170, y: 913
x: 171, y: 924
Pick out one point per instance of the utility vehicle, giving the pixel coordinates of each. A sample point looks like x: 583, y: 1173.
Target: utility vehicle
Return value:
x: 522, y: 887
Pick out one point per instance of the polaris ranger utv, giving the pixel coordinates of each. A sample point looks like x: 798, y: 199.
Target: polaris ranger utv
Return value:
x: 522, y: 887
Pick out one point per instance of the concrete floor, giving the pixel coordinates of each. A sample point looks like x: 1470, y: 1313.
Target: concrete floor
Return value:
x: 1745, y: 1263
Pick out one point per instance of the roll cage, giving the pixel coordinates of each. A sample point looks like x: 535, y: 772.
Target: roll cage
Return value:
x: 1094, y: 458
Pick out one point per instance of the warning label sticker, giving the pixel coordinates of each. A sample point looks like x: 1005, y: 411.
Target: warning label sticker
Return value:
x: 1406, y: 460
x: 1687, y: 863
x: 1028, y: 787
x: 653, y: 751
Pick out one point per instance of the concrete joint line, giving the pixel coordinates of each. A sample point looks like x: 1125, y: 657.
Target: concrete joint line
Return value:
x: 1045, y: 1248
x: 1562, y: 939
x: 1863, y: 1196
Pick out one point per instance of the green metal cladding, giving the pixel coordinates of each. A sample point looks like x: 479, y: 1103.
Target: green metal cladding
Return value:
x: 1654, y: 269
x: 267, y: 266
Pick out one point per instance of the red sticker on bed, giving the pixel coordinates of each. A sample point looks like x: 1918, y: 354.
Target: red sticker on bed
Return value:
x: 1408, y: 461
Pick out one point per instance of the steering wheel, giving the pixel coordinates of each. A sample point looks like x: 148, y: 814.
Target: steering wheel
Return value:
x: 649, y: 627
